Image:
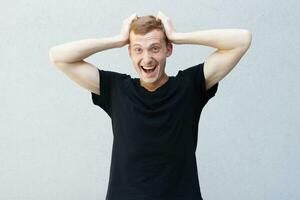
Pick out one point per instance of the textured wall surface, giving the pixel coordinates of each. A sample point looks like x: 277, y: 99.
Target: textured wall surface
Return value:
x: 55, y: 144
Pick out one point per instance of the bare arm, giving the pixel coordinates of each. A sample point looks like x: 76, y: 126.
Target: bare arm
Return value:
x: 78, y: 50
x: 231, y: 45
x: 69, y: 57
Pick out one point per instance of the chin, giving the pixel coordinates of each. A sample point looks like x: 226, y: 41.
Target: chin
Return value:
x: 150, y: 80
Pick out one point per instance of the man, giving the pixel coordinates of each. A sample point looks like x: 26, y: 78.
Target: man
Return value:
x: 154, y: 117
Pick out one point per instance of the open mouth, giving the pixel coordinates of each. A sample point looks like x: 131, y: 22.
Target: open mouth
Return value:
x: 148, y: 69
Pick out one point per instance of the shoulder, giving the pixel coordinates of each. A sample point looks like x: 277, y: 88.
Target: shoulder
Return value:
x: 110, y: 75
x: 192, y: 72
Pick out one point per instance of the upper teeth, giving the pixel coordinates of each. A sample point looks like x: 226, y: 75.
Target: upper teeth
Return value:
x: 148, y: 68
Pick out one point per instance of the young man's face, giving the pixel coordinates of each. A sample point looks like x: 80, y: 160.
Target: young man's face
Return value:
x: 148, y: 54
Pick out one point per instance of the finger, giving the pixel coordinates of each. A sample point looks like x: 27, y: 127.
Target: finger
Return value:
x: 160, y: 14
x: 133, y: 16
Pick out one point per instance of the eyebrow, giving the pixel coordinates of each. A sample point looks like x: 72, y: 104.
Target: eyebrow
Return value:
x: 150, y: 45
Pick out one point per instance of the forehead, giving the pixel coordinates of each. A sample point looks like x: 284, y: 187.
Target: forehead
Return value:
x: 154, y: 36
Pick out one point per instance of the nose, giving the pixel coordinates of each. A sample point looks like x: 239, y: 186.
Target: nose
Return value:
x: 147, y: 59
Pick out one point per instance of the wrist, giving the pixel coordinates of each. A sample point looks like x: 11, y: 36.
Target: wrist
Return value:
x: 119, y: 40
x: 177, y: 38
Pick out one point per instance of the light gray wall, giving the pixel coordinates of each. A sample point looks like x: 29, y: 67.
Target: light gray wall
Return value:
x: 55, y: 144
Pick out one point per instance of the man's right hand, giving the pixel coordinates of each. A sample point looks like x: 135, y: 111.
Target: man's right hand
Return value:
x: 69, y: 57
x: 124, y: 34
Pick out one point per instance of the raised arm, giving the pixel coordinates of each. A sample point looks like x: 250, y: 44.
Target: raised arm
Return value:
x: 231, y: 45
x: 69, y: 57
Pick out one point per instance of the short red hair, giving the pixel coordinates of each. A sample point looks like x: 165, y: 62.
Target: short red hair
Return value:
x: 145, y: 24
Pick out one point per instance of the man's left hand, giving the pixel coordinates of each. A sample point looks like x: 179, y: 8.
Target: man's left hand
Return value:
x: 168, y: 25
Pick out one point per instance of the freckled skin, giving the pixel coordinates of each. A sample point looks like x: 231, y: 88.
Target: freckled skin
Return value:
x: 150, y: 50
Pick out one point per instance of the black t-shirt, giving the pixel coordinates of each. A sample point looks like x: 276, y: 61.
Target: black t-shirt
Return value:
x: 155, y: 134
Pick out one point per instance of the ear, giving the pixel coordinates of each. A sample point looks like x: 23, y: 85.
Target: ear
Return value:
x: 129, y: 50
x: 169, y: 49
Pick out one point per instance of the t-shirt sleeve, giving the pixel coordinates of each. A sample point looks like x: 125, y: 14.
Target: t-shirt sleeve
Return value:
x: 195, y: 76
x: 108, y: 84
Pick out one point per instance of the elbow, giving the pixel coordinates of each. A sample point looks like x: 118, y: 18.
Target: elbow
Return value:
x: 247, y: 38
x: 51, y: 55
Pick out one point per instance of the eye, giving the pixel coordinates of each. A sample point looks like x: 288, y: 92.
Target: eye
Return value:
x: 138, y: 50
x: 155, y: 49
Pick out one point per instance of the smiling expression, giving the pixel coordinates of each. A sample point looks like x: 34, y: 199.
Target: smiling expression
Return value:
x: 148, y: 54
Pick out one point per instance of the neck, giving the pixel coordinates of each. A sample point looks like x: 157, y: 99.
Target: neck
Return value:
x: 153, y: 86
